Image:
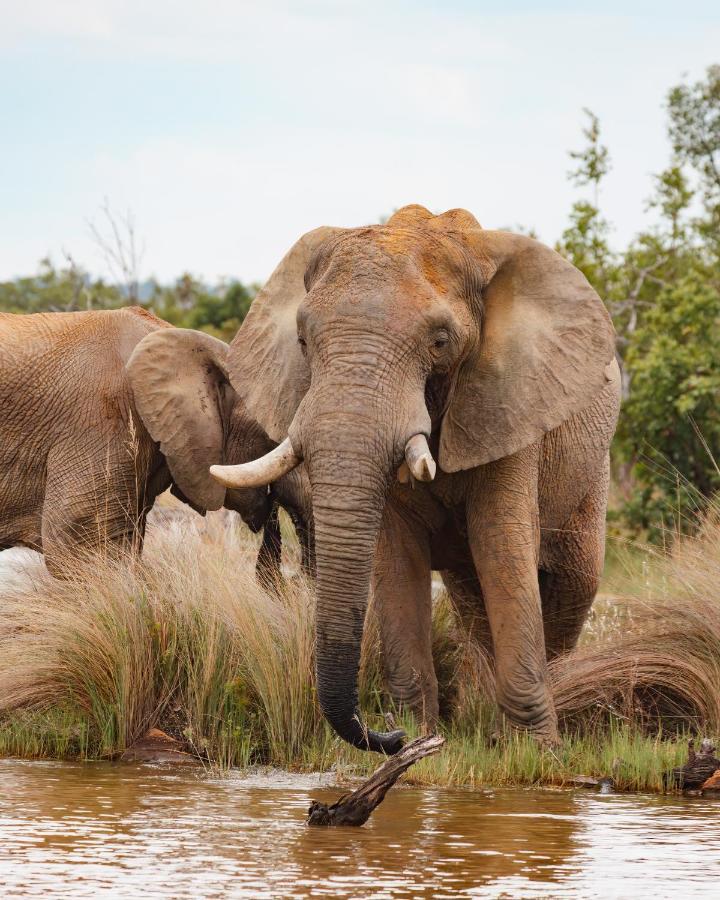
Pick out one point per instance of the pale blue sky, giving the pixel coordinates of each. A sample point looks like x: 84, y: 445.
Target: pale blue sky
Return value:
x: 229, y: 128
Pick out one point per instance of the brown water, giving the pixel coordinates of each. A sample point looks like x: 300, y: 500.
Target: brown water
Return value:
x: 99, y: 830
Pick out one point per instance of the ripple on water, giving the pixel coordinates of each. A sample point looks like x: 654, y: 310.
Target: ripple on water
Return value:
x: 102, y: 830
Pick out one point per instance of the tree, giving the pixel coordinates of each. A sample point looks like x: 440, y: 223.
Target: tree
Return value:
x: 222, y: 314
x: 58, y: 290
x: 585, y: 241
x: 672, y: 416
x: 694, y: 130
x: 670, y: 332
x: 117, y: 241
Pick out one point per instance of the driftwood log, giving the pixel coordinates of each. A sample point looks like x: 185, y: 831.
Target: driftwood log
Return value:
x: 355, y: 808
x: 701, y: 765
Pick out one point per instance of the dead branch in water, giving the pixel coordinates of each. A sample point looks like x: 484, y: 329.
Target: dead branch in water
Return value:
x: 355, y: 808
x: 699, y: 768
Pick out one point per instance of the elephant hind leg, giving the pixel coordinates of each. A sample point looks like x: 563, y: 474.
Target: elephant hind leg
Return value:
x: 468, y: 603
x: 403, y: 605
x: 570, y: 572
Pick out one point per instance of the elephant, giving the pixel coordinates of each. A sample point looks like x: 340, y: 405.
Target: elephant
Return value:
x: 100, y: 412
x: 452, y: 393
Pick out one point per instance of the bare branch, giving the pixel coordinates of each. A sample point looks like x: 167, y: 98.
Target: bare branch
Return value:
x: 116, y: 238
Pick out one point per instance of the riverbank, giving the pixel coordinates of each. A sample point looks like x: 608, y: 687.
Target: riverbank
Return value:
x: 187, y: 641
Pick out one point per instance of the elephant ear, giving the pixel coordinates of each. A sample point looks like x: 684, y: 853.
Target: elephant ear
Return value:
x: 544, y: 349
x: 267, y: 367
x: 182, y: 392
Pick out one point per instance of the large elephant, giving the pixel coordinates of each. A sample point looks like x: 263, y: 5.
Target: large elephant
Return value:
x: 428, y: 338
x: 100, y: 412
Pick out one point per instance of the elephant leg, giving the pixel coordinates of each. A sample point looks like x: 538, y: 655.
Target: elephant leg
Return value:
x: 570, y: 570
x: 403, y: 604
x: 466, y: 596
x: 503, y: 532
x: 303, y: 532
x: 267, y: 567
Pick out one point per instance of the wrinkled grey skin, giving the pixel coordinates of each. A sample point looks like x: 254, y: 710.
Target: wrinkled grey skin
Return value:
x: 100, y: 412
x: 500, y: 353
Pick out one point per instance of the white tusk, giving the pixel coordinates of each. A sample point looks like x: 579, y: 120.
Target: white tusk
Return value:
x: 259, y: 472
x: 419, y: 458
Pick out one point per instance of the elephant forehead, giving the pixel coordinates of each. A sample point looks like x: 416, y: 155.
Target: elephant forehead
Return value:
x: 413, y: 258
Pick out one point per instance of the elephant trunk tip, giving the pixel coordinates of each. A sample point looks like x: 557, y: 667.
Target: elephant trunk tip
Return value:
x: 354, y: 731
x: 387, y: 742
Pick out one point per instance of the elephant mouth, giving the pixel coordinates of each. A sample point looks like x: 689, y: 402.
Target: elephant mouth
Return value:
x: 438, y: 389
x: 255, y: 516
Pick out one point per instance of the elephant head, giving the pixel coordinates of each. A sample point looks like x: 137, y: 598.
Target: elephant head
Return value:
x: 183, y: 395
x: 367, y: 345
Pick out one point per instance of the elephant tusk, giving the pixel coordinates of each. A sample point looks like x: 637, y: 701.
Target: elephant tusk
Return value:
x: 419, y: 458
x: 259, y: 472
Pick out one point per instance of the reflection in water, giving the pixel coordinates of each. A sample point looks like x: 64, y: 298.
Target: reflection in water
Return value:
x: 102, y: 830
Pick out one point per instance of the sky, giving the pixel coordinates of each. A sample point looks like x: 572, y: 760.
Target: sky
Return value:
x: 229, y: 128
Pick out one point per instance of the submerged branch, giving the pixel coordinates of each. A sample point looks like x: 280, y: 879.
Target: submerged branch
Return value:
x: 355, y: 808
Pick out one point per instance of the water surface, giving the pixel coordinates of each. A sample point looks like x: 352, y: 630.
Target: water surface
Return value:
x: 102, y: 830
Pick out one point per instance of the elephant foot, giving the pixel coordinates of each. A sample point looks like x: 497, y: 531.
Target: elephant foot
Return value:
x: 547, y: 741
x: 537, y: 718
x: 423, y: 706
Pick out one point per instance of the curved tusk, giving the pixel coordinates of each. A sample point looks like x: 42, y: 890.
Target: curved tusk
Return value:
x: 419, y: 458
x: 259, y: 472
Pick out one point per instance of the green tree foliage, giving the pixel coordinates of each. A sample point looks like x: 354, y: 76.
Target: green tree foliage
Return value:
x: 694, y: 130
x: 222, y: 315
x: 663, y: 292
x: 58, y: 290
x: 187, y: 303
x: 190, y: 304
x: 585, y: 242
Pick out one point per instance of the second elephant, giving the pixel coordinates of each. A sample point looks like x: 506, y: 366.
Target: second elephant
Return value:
x: 100, y: 412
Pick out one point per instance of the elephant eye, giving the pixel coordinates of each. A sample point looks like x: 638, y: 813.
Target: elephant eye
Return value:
x: 442, y: 339
x: 302, y: 342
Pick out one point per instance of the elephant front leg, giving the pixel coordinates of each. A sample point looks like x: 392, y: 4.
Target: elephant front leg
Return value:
x: 403, y: 605
x: 504, y: 539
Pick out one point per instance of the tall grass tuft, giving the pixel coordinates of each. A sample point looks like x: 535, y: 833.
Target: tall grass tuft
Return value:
x: 658, y: 663
x: 185, y: 639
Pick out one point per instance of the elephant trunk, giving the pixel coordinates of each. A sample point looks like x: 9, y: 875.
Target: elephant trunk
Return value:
x: 348, y: 498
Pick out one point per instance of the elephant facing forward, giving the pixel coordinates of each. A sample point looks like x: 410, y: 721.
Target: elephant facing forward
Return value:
x: 100, y: 412
x: 430, y: 339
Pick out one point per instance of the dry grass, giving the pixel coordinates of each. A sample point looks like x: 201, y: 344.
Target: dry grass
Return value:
x: 658, y: 661
x: 186, y: 639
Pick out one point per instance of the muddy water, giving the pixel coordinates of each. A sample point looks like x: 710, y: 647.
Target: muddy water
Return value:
x: 99, y: 830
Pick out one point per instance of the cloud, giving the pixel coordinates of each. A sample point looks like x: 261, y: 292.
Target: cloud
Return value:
x: 48, y: 19
x: 229, y: 128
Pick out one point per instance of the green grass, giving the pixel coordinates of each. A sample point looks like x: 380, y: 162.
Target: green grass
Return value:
x: 471, y: 758
x: 187, y: 641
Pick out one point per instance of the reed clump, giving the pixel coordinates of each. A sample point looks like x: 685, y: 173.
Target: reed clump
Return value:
x: 185, y: 639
